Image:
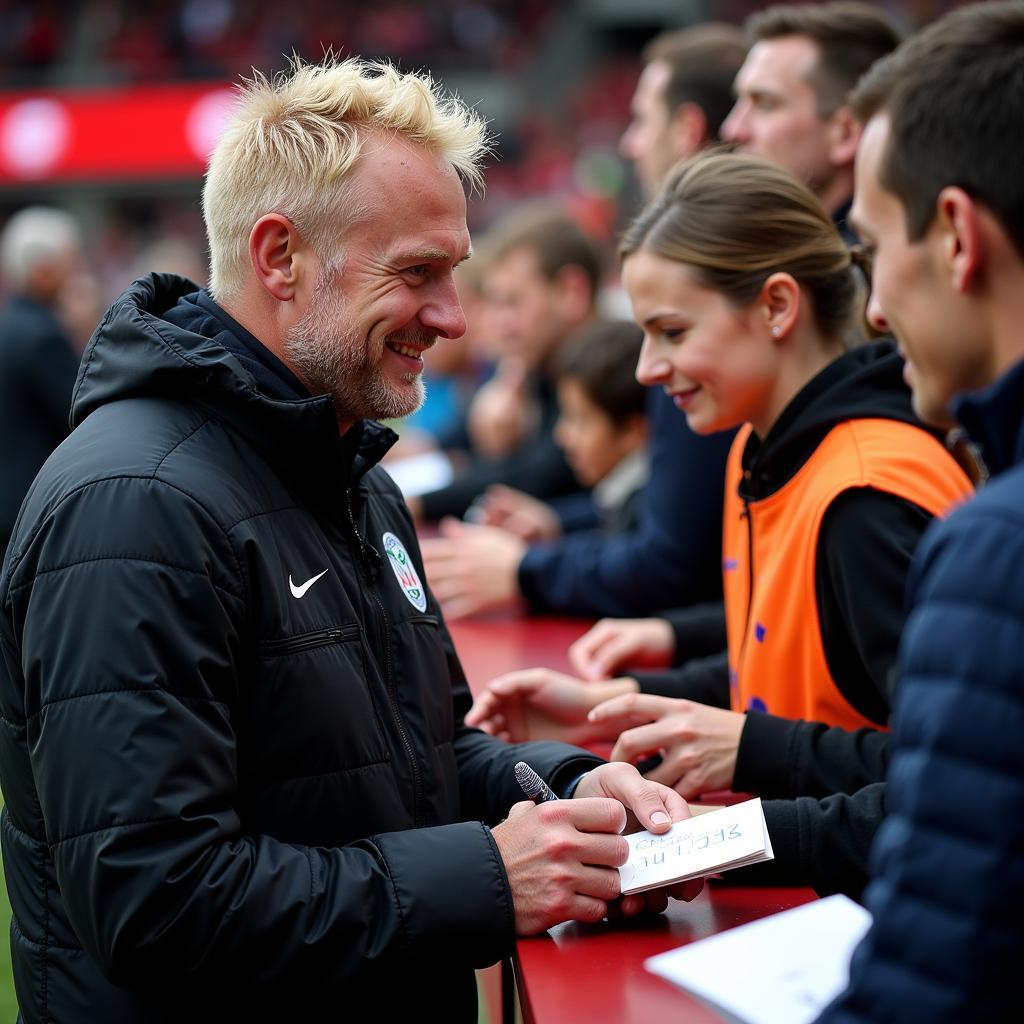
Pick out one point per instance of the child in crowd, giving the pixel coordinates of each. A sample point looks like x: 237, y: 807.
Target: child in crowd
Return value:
x: 744, y: 290
x: 602, y: 428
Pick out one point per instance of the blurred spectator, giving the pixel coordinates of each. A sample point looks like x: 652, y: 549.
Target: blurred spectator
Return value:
x: 39, y: 250
x: 682, y: 97
x: 541, y: 284
x: 602, y: 428
x: 792, y: 90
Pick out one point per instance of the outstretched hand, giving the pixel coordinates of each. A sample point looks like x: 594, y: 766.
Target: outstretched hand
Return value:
x: 612, y: 644
x: 472, y: 569
x: 539, y: 703
x: 698, y: 744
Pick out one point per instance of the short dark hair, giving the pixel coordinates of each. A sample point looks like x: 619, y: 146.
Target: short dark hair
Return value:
x: 703, y: 62
x: 850, y: 38
x: 953, y: 94
x: 602, y: 357
x: 554, y: 238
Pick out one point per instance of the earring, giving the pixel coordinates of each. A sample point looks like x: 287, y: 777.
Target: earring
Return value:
x: 776, y: 330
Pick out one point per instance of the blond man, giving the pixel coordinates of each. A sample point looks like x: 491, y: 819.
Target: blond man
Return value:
x: 238, y: 783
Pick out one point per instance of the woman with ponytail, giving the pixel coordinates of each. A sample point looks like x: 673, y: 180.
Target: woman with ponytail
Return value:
x: 747, y: 295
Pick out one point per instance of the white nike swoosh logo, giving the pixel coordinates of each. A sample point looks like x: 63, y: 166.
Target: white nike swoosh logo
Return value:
x: 299, y: 592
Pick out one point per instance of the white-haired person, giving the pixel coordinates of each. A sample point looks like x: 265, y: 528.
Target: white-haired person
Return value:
x: 39, y: 249
x: 238, y: 784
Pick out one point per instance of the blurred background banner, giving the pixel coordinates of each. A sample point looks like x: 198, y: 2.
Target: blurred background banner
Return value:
x: 151, y: 132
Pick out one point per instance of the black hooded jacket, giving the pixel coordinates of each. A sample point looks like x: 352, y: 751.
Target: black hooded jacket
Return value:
x: 865, y: 546
x: 237, y: 782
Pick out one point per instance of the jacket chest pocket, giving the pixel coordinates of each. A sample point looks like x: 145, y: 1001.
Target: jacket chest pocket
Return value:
x: 424, y: 679
x: 310, y: 710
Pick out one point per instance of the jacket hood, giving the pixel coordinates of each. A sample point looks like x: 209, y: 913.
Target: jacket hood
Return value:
x: 137, y: 353
x: 864, y: 383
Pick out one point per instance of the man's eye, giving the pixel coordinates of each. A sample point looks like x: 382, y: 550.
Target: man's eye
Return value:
x: 420, y: 270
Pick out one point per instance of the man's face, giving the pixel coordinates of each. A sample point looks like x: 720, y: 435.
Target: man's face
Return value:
x: 911, y: 295
x: 776, y: 112
x: 525, y: 308
x: 647, y: 141
x: 388, y: 295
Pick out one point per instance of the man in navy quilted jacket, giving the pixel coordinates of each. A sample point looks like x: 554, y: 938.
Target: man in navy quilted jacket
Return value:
x: 940, y: 196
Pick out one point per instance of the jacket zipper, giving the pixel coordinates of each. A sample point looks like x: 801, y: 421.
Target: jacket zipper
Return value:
x: 309, y: 641
x: 745, y: 514
x: 370, y: 567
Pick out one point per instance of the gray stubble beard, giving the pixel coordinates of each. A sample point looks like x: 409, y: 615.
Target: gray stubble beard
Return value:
x: 333, y: 360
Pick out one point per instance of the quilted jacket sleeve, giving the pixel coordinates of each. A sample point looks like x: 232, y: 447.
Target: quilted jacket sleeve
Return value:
x: 948, y: 866
x: 129, y: 611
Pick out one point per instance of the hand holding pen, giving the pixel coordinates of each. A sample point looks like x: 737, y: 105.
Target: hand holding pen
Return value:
x: 561, y: 856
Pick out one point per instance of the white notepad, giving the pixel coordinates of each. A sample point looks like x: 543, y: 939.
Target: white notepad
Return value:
x: 783, y: 969
x: 731, y: 837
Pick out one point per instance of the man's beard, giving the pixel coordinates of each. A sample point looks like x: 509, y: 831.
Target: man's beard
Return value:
x: 335, y: 360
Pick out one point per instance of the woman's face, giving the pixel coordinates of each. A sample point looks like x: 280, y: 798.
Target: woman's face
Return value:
x: 716, y: 362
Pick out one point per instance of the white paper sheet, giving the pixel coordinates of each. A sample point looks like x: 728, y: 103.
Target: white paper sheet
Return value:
x: 783, y: 969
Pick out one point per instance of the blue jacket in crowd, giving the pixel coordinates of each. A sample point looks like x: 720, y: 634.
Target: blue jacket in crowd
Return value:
x: 947, y: 893
x: 673, y: 555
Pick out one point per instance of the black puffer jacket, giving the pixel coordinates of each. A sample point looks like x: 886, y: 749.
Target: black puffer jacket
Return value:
x: 232, y: 752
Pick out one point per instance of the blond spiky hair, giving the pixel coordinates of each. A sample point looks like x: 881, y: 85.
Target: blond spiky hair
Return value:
x: 292, y: 140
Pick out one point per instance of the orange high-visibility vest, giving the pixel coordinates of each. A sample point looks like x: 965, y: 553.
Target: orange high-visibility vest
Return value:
x: 777, y: 659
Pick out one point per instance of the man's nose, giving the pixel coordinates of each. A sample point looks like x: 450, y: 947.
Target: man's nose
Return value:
x: 734, y: 127
x: 627, y: 143
x: 443, y: 314
x: 876, y: 317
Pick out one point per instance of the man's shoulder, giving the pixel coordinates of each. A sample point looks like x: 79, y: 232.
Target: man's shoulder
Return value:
x: 172, y: 451
x: 996, y: 510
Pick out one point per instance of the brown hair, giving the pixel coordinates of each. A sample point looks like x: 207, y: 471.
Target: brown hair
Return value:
x: 703, y: 62
x: 554, y: 238
x: 850, y: 37
x: 602, y: 357
x: 735, y: 220
x: 953, y: 94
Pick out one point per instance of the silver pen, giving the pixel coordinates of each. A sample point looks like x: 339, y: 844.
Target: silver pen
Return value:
x: 532, y: 784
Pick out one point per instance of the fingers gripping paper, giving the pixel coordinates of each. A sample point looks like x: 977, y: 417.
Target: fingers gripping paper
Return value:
x: 732, y: 837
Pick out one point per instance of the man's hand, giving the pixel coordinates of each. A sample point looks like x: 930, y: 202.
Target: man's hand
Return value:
x: 539, y: 703
x: 614, y: 643
x: 561, y: 858
x: 520, y: 514
x: 472, y: 569
x: 698, y: 744
x: 649, y: 805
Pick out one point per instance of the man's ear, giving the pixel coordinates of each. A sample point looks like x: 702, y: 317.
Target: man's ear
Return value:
x: 843, y: 137
x: 689, y: 129
x: 962, y: 239
x: 278, y: 255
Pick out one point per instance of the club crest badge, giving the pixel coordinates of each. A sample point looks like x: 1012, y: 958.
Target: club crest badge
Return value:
x: 405, y: 572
